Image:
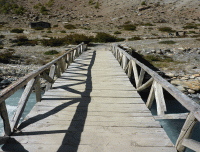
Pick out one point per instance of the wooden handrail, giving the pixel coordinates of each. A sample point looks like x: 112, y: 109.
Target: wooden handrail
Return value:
x: 157, y: 84
x: 188, y: 103
x: 10, y: 90
x: 32, y: 80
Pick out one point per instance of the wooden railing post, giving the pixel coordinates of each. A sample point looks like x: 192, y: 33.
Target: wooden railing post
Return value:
x: 130, y: 69
x: 63, y: 65
x: 151, y: 97
x: 37, y: 89
x: 4, y: 116
x: 22, y: 103
x: 141, y: 77
x: 135, y: 72
x: 58, y: 69
x: 125, y: 62
x: 186, y: 131
x: 160, y: 101
x: 51, y: 75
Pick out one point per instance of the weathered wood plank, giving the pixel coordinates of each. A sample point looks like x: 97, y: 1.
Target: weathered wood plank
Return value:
x: 160, y: 101
x: 172, y: 116
x: 22, y: 104
x: 192, y: 144
x: 51, y: 75
x: 37, y: 89
x: 186, y: 131
x: 151, y: 97
x: 4, y: 116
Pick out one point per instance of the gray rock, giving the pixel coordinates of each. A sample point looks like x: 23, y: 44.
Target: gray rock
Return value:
x: 5, y: 82
x: 181, y: 88
x: 191, y: 91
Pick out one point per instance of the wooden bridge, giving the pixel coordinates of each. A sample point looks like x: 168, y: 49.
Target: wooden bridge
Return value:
x: 91, y: 105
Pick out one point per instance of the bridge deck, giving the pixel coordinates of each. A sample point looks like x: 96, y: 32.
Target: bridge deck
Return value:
x: 92, y: 107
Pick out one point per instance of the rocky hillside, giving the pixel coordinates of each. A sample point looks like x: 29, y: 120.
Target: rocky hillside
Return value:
x: 103, y: 14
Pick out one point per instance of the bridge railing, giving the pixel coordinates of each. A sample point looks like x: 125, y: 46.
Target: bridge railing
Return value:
x: 32, y: 80
x: 130, y: 66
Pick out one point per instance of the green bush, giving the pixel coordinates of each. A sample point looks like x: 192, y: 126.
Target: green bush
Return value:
x: 20, y: 10
x: 143, y: 3
x: 23, y: 40
x: 117, y: 32
x: 91, y: 2
x: 6, y: 56
x: 43, y: 10
x: 104, y: 37
x: 69, y: 39
x: 191, y: 31
x: 51, y: 52
x: 63, y: 31
x: 37, y: 6
x: 97, y: 5
x: 62, y: 7
x: 49, y: 3
x: 69, y: 26
x: 49, y: 31
x: 134, y: 38
x: 190, y: 26
x: 17, y: 31
x: 129, y: 27
x: 167, y: 42
x: 2, y: 36
x: 166, y: 29
x: 147, y: 24
x: 55, y: 25
x: 38, y: 28
x: 157, y: 58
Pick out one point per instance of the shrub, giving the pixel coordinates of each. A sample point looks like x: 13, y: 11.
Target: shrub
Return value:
x: 37, y: 6
x: 51, y: 52
x: 127, y: 22
x: 63, y: 31
x: 69, y: 26
x: 38, y: 28
x: 43, y: 10
x: 53, y: 42
x: 166, y: 29
x: 1, y: 47
x: 143, y: 3
x: 23, y: 40
x: 97, y: 5
x: 17, y: 31
x: 167, y: 42
x: 117, y: 32
x: 190, y: 26
x: 49, y: 31
x: 49, y: 3
x: 20, y: 10
x: 129, y: 27
x: 55, y: 25
x: 147, y: 24
x: 2, y: 36
x: 104, y: 37
x: 91, y: 2
x: 62, y: 7
x: 158, y: 58
x: 6, y: 55
x: 134, y: 38
x: 191, y: 31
